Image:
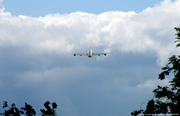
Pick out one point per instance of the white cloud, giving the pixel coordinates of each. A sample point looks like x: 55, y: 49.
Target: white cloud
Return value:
x: 3, y: 12
x: 151, y: 30
x: 153, y: 84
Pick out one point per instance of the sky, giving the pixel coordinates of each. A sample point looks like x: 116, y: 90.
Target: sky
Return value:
x: 35, y: 38
x: 36, y: 8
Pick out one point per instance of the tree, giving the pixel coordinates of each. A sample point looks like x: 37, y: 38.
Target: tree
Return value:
x: 28, y: 110
x: 49, y: 111
x: 166, y: 99
x: 12, y: 111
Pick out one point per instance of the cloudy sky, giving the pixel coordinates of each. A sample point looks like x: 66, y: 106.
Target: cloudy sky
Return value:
x: 35, y: 38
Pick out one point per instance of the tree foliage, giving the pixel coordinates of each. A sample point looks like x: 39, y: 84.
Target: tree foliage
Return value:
x: 49, y: 111
x: 166, y: 99
x: 28, y: 110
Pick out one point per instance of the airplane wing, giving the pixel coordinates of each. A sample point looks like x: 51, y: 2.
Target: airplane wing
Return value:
x: 98, y: 54
x: 80, y: 54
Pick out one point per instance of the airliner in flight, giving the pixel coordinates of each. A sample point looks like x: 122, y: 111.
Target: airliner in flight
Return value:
x: 89, y: 53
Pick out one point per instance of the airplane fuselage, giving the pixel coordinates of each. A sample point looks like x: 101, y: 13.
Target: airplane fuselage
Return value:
x: 89, y: 53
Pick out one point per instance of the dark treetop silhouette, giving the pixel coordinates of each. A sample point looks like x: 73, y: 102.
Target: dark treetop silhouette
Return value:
x: 28, y: 110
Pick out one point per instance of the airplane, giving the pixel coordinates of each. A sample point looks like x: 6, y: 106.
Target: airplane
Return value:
x: 89, y: 53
